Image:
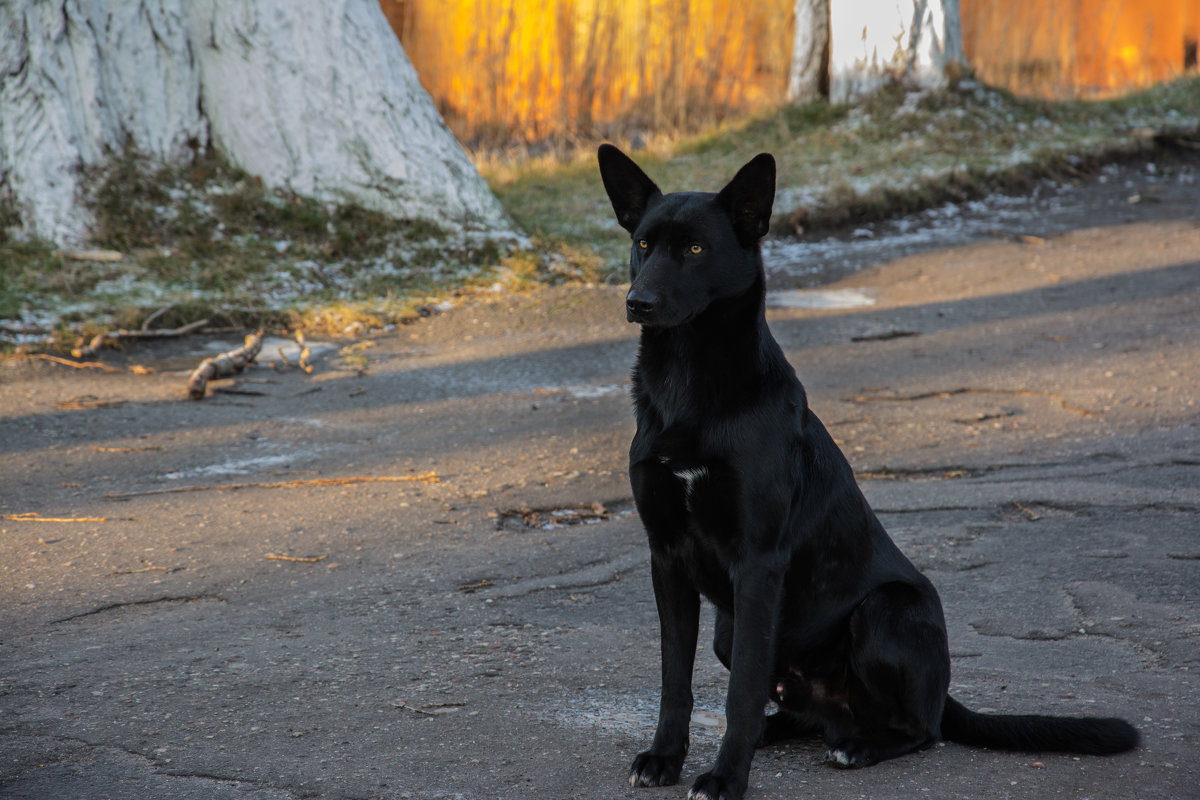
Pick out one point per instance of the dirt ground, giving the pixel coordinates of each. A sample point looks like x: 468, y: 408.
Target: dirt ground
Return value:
x: 416, y: 572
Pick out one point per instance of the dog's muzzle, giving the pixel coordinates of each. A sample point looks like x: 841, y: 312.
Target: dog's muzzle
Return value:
x: 641, y: 304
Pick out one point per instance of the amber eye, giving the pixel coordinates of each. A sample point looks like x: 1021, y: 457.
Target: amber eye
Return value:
x: 642, y: 243
x: 696, y: 249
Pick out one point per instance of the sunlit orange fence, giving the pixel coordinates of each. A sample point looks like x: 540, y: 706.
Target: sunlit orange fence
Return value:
x: 530, y: 70
x: 536, y: 69
x: 1082, y: 48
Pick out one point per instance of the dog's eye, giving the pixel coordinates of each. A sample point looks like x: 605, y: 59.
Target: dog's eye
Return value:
x: 696, y: 249
x: 642, y: 243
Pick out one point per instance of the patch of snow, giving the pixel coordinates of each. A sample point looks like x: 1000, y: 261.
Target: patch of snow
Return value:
x: 820, y: 298
x: 594, y: 390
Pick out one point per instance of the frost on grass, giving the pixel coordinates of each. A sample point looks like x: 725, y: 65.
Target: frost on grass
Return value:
x: 212, y: 241
x: 905, y: 151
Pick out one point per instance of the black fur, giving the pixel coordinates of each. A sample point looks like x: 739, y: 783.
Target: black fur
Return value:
x: 747, y: 501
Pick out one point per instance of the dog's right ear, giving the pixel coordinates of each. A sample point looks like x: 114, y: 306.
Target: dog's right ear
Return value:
x: 629, y: 189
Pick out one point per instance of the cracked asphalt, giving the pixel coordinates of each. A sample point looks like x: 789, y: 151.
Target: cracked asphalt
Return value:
x: 415, y: 572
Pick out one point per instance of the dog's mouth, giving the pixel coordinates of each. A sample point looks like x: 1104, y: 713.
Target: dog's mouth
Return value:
x: 659, y: 318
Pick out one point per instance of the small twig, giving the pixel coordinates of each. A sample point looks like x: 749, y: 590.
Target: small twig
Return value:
x: 33, y: 516
x: 304, y: 559
x: 156, y: 315
x: 1029, y: 513
x: 167, y: 570
x: 92, y: 347
x: 89, y: 401
x: 76, y: 364
x: 425, y: 707
x: 428, y: 477
x: 104, y: 256
x: 99, y: 339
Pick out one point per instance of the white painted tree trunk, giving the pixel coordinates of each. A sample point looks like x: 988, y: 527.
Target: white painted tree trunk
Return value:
x: 809, y: 75
x: 915, y: 42
x: 315, y: 96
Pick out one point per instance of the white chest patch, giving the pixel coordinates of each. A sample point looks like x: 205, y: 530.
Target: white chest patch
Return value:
x: 689, y: 478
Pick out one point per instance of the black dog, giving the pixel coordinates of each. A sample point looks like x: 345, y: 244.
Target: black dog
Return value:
x: 747, y: 500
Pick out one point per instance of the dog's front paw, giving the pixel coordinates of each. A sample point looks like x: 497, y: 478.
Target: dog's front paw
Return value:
x: 711, y: 786
x: 650, y: 769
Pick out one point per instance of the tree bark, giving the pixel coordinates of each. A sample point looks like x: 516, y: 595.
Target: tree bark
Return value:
x: 315, y: 96
x: 914, y: 42
x: 808, y: 77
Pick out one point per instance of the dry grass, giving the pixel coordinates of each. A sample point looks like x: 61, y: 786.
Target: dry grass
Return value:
x: 896, y: 152
x: 211, y: 242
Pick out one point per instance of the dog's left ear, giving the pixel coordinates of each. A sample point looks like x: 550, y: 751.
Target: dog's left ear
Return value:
x: 748, y: 198
x: 629, y: 189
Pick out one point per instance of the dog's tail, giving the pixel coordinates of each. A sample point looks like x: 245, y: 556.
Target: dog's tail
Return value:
x: 1037, y: 733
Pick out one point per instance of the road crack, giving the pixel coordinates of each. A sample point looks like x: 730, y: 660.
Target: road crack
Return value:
x: 145, y: 602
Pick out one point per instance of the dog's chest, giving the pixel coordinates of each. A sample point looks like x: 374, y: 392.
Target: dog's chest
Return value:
x: 690, y: 478
x: 701, y: 507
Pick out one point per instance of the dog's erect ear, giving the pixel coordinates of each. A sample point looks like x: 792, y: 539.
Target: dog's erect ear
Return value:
x: 748, y: 198
x: 628, y: 187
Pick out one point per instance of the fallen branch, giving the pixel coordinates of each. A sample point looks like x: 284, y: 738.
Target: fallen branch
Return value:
x: 93, y: 347
x: 223, y: 365
x: 428, y: 477
x: 303, y: 559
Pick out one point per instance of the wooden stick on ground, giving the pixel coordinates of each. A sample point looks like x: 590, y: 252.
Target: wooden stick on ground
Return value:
x: 93, y: 347
x: 76, y: 364
x: 302, y: 559
x: 223, y: 365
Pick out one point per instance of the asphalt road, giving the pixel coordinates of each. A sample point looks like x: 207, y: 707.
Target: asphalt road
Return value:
x: 415, y: 572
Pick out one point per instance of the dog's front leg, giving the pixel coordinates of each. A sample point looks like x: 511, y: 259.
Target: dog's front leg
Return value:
x: 757, y: 596
x: 679, y: 619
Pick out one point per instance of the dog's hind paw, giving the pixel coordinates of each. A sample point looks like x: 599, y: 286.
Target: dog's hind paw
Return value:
x: 654, y: 770
x: 852, y: 753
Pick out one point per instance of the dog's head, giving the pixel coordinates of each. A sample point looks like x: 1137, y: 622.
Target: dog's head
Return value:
x: 689, y: 248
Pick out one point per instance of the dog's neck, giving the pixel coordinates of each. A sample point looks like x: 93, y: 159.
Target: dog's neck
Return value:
x: 709, y: 363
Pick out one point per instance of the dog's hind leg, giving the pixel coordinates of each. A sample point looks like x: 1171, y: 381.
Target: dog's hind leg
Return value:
x: 785, y: 724
x: 900, y: 671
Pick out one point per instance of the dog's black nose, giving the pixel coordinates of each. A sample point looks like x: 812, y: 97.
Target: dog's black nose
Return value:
x: 640, y: 304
